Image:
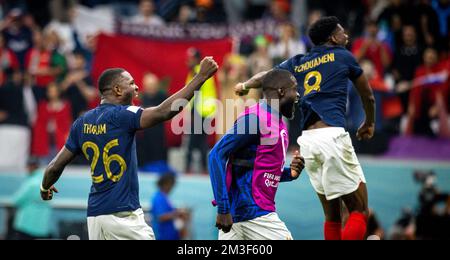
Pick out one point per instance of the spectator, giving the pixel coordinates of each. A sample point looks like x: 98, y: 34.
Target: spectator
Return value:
x: 233, y: 71
x: 186, y: 15
x: 405, y: 227
x: 260, y: 60
x: 147, y: 14
x: 14, y: 126
x: 164, y: 214
x: 63, y: 26
x: 288, y: 45
x: 203, y: 109
x: 78, y: 86
x: 313, y: 17
x: 395, y: 15
x: 428, y: 97
x: 375, y: 7
x: 279, y: 11
x: 18, y: 37
x: 52, y: 124
x: 406, y: 60
x: 33, y: 215
x: 428, y: 25
x: 8, y: 61
x: 442, y: 8
x: 209, y: 11
x: 44, y: 63
x: 431, y: 222
x: 374, y: 229
x: 151, y: 145
x: 369, y: 47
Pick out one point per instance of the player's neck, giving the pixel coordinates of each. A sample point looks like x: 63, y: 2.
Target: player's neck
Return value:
x: 110, y: 101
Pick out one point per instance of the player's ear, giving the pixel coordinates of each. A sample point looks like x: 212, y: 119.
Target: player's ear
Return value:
x: 117, y: 90
x: 333, y: 39
x: 281, y: 92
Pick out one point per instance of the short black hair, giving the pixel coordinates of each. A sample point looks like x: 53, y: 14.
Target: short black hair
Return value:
x: 321, y: 31
x: 276, y: 79
x: 108, y: 79
x: 167, y: 178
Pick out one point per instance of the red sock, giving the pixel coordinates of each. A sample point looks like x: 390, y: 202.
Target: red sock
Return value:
x: 356, y: 227
x: 332, y: 230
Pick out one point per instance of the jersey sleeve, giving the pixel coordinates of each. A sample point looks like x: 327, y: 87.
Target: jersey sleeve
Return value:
x: 72, y: 143
x: 286, y: 65
x: 233, y: 141
x: 129, y: 117
x: 355, y: 71
x: 290, y: 64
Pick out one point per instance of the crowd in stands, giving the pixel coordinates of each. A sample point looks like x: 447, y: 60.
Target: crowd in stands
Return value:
x: 46, y: 60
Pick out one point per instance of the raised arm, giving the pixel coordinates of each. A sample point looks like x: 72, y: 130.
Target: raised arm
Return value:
x: 242, y: 89
x: 54, y: 171
x: 155, y: 115
x: 366, y: 131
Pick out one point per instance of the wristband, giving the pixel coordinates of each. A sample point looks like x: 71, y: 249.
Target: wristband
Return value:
x: 244, y: 87
x: 42, y: 189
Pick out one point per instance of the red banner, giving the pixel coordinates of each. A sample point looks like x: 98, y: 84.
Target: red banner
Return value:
x: 163, y: 58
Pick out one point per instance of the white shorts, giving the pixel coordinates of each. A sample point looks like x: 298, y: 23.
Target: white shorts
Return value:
x: 268, y: 227
x: 331, y: 162
x: 120, y: 226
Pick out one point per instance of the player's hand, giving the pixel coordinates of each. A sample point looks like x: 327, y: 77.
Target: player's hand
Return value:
x: 239, y: 90
x: 48, y: 195
x: 208, y: 67
x: 224, y: 222
x: 366, y: 131
x: 297, y: 165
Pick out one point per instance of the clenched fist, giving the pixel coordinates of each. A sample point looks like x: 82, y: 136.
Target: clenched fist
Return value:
x: 240, y: 90
x: 208, y: 67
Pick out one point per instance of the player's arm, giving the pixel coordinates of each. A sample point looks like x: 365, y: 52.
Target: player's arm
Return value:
x: 293, y: 172
x: 366, y: 131
x: 242, y: 89
x: 54, y: 171
x: 156, y: 115
x: 234, y: 140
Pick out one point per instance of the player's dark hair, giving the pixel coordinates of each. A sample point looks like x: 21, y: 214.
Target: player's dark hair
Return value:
x: 321, y: 31
x: 108, y: 78
x: 276, y: 79
x: 166, y: 179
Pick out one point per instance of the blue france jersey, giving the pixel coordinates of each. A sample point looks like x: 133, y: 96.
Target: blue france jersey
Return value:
x: 323, y: 77
x: 106, y: 137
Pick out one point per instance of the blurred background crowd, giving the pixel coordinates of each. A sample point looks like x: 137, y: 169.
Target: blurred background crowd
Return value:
x: 49, y: 54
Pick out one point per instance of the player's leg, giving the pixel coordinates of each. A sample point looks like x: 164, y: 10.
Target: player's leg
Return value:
x: 342, y: 178
x: 357, y: 204
x: 268, y: 227
x: 234, y: 234
x: 310, y: 146
x: 333, y: 223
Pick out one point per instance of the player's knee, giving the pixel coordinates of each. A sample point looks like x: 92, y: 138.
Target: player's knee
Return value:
x: 362, y: 211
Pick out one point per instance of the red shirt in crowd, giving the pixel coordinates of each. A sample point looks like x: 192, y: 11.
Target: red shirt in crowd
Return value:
x: 373, y: 53
x: 37, y: 59
x: 61, y: 120
x: 428, y: 83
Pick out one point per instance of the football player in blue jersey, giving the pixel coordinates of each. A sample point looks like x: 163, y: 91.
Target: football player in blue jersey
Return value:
x: 331, y: 163
x: 106, y: 137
